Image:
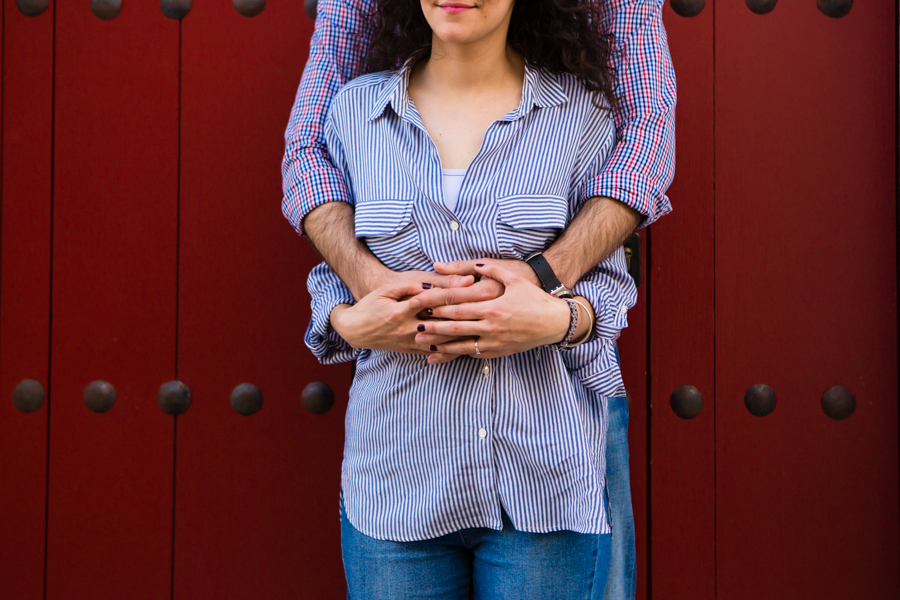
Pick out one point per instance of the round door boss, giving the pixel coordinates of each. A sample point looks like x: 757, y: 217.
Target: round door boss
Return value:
x: 174, y: 397
x: 317, y: 398
x: 311, y: 7
x: 246, y: 399
x: 838, y: 403
x: 99, y: 396
x: 687, y: 8
x: 761, y: 7
x: 32, y: 8
x: 175, y: 9
x: 760, y: 400
x: 249, y: 8
x: 835, y: 8
x: 686, y: 402
x: 29, y: 396
x: 106, y: 9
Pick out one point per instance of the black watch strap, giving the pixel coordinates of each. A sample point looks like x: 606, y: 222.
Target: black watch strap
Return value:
x: 549, y: 281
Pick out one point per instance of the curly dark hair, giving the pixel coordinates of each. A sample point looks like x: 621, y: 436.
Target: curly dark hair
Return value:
x: 561, y: 36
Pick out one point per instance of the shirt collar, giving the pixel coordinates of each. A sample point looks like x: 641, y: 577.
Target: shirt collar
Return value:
x: 541, y: 89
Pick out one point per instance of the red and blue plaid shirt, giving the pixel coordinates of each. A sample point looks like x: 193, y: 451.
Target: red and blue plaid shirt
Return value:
x: 638, y: 172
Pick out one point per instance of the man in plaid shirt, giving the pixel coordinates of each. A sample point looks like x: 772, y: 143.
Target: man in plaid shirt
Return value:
x: 628, y: 194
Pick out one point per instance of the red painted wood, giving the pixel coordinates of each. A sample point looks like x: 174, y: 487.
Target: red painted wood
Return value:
x: 256, y: 496
x: 24, y: 295
x: 807, y: 507
x: 633, y: 358
x: 114, y: 300
x: 682, y: 335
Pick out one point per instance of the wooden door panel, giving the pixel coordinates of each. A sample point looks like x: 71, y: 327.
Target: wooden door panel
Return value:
x: 682, y: 486
x: 114, y: 300
x: 256, y: 496
x: 24, y: 295
x: 806, y: 263
x: 633, y: 360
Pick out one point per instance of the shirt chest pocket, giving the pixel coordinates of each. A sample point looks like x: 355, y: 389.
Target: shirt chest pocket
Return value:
x: 529, y: 223
x: 389, y: 228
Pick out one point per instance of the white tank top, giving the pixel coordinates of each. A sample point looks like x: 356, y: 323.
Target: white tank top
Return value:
x: 452, y: 180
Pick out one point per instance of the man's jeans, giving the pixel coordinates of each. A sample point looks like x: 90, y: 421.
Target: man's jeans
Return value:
x: 621, y: 582
x: 495, y: 565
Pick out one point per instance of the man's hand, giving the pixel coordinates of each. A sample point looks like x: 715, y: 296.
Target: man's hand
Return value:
x: 467, y: 267
x: 385, y: 319
x: 523, y: 318
x: 331, y: 231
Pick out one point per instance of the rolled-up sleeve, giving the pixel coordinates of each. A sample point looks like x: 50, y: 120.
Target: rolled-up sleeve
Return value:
x: 642, y: 164
x: 611, y: 292
x: 327, y: 291
x: 337, y: 52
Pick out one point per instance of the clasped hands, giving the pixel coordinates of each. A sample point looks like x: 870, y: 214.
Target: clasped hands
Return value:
x: 445, y: 314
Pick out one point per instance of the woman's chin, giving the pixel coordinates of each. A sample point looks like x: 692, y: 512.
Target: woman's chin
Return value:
x: 454, y: 35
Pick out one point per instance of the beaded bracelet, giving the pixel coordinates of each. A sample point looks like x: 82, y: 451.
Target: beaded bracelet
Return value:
x: 573, y: 324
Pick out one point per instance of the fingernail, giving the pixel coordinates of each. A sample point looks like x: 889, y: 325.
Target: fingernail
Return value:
x: 433, y: 348
x: 420, y: 327
x: 426, y: 286
x: 479, y: 264
x: 429, y: 312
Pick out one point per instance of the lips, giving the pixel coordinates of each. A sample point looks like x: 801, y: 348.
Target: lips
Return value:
x: 454, y: 7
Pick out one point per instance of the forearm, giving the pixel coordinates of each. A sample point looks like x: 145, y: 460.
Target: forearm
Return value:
x: 599, y: 228
x: 330, y: 228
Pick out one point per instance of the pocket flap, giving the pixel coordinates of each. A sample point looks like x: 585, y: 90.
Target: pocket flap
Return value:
x: 382, y: 218
x: 528, y: 211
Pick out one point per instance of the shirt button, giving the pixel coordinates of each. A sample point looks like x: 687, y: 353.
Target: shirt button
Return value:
x: 624, y: 309
x: 454, y: 225
x: 482, y: 433
x: 486, y: 370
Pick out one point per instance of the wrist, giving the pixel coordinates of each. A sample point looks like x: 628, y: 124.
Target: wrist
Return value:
x: 338, y: 318
x: 372, y: 275
x: 561, y: 320
x: 559, y: 266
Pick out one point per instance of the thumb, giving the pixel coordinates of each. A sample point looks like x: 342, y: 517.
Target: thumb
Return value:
x: 399, y: 290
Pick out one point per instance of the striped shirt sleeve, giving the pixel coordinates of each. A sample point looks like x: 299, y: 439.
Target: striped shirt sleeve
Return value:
x: 327, y: 291
x: 642, y: 165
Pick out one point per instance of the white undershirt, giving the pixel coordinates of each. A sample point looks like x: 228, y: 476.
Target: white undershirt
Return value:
x: 451, y: 180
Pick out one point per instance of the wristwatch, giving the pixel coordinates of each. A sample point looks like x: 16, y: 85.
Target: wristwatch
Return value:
x: 550, y: 282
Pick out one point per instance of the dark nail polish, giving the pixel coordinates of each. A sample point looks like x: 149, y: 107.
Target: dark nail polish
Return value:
x: 479, y: 264
x: 426, y: 286
x: 433, y: 348
x: 429, y: 312
x: 420, y: 327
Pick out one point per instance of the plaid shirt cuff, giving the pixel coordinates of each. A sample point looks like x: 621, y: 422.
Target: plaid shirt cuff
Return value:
x: 632, y: 189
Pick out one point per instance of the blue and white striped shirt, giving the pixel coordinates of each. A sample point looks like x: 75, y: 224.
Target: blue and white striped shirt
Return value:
x: 432, y: 449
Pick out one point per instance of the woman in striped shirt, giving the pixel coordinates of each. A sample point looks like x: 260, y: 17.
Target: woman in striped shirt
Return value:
x: 472, y: 139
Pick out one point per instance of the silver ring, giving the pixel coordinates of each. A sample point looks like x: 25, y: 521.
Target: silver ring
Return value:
x: 477, y: 351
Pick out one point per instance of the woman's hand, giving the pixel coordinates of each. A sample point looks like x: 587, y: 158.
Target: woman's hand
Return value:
x: 385, y: 319
x: 523, y: 318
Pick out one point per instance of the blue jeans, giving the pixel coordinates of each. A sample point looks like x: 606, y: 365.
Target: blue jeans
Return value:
x: 621, y: 582
x: 495, y: 565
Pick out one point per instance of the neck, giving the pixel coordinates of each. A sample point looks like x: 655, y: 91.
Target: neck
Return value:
x: 479, y: 66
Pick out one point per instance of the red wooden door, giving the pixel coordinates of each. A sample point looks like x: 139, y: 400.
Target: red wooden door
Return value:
x: 806, y: 299
x: 682, y: 333
x: 782, y: 255
x: 115, y: 212
x: 25, y: 296
x: 256, y: 502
